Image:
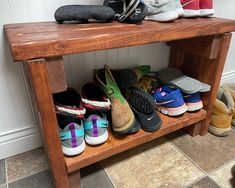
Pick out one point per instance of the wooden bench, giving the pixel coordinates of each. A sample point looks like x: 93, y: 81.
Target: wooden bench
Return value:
x: 198, y: 47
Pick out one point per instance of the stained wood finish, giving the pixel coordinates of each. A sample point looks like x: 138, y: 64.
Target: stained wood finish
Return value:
x: 75, y: 179
x: 49, y: 128
x: 47, y: 39
x: 117, y: 144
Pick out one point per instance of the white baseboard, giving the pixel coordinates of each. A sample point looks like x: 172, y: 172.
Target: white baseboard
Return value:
x: 228, y: 77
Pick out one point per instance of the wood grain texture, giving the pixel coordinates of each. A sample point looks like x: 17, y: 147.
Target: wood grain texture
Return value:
x: 117, y: 144
x: 47, y: 39
x: 75, y: 179
x: 49, y: 126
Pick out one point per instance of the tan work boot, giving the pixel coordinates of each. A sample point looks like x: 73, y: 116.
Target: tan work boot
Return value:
x: 231, y: 89
x: 222, y: 113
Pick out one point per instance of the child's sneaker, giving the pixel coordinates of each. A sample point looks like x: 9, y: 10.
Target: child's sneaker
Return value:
x: 206, y: 8
x: 169, y: 102
x: 93, y: 98
x: 69, y: 103
x: 193, y: 101
x: 71, y: 135
x: 161, y: 10
x: 191, y: 8
x: 96, y: 125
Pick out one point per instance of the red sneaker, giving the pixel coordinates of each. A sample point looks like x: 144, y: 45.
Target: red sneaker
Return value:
x: 191, y: 8
x: 206, y: 8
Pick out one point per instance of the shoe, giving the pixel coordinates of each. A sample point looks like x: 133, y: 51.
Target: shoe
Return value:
x: 96, y: 125
x: 206, y: 8
x: 193, y: 101
x: 222, y: 113
x: 231, y: 89
x: 191, y: 8
x: 71, y: 135
x: 123, y: 119
x: 161, y: 10
x: 143, y: 105
x: 69, y: 102
x: 147, y: 83
x: 179, y: 8
x: 168, y: 101
x: 127, y: 77
x: 93, y: 98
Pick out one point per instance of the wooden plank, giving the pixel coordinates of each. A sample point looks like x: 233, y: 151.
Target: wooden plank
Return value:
x: 48, y: 126
x: 117, y: 144
x: 47, y: 39
x: 75, y: 179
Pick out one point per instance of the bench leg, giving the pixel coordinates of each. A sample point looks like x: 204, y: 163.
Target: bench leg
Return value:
x: 75, y: 179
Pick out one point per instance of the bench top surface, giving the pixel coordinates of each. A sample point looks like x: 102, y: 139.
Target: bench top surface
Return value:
x: 46, y: 39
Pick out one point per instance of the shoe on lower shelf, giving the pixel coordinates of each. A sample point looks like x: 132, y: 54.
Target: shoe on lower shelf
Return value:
x: 161, y: 10
x: 96, y: 124
x: 222, y: 113
x: 193, y: 101
x: 71, y: 135
x: 169, y: 102
x: 69, y: 103
x: 191, y: 8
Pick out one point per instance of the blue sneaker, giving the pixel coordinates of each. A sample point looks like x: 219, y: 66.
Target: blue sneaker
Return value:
x: 169, y: 102
x: 193, y: 101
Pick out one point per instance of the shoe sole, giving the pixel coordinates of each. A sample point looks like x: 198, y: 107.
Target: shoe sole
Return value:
x: 97, y: 140
x: 206, y: 12
x: 140, y: 100
x: 163, y: 17
x: 191, y: 13
x: 180, y: 12
x: 124, y: 78
x: 194, y: 106
x: 74, y: 151
x: 221, y: 132
x: 172, y: 111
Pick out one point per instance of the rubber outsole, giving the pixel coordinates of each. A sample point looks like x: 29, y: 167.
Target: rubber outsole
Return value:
x: 163, y: 17
x: 176, y: 112
x: 74, y: 151
x: 97, y: 140
x: 194, y: 106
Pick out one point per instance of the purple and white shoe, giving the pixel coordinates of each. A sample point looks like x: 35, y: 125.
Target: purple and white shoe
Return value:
x: 96, y: 128
x: 72, y: 139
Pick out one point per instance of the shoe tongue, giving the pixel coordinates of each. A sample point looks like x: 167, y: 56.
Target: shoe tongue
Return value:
x: 72, y: 126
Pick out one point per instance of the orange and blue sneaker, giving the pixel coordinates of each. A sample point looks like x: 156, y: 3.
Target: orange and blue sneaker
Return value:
x: 169, y: 101
x: 193, y: 101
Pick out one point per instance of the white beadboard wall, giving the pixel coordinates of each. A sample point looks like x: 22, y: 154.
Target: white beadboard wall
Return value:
x: 18, y: 126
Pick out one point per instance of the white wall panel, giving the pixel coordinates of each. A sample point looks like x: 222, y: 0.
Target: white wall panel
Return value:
x: 18, y: 126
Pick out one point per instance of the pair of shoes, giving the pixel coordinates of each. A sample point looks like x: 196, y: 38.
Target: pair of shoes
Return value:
x: 197, y: 8
x: 174, y: 103
x: 223, y: 112
x: 70, y: 111
x: 163, y: 10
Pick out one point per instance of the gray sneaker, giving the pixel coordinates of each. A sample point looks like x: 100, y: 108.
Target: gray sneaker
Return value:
x: 72, y: 139
x: 96, y: 129
x: 179, y: 8
x: 161, y: 10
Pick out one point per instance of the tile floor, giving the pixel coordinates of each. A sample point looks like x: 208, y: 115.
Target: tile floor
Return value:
x: 177, y: 160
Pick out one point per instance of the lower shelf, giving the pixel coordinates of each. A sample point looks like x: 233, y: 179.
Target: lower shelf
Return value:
x: 117, y: 144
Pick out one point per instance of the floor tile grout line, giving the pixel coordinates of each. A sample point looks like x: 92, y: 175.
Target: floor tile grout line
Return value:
x: 107, y: 175
x: 222, y: 166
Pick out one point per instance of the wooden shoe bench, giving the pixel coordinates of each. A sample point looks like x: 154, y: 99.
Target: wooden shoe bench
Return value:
x: 198, y: 47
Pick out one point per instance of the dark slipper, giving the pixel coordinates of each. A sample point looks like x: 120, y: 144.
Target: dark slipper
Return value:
x: 83, y: 13
x: 130, y: 11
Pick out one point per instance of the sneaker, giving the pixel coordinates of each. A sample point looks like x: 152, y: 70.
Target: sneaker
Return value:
x: 71, y: 135
x: 193, y: 101
x: 206, y: 8
x: 168, y: 101
x: 179, y: 8
x: 69, y: 102
x: 222, y: 113
x: 161, y: 10
x: 96, y: 125
x: 191, y: 8
x: 143, y: 105
x: 93, y: 98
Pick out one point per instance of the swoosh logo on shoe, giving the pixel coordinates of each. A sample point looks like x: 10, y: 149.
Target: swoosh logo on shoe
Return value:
x: 187, y: 3
x: 161, y: 103
x: 150, y: 118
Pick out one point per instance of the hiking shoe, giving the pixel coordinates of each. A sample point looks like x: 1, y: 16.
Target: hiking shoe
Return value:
x: 231, y: 89
x: 222, y: 113
x: 69, y: 102
x: 193, y: 101
x: 168, y: 101
x: 147, y: 83
x: 206, y: 8
x: 94, y: 98
x: 96, y: 125
x: 191, y: 8
x: 161, y: 10
x: 143, y: 105
x: 179, y: 8
x: 123, y: 119
x: 71, y: 135
x: 127, y: 77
